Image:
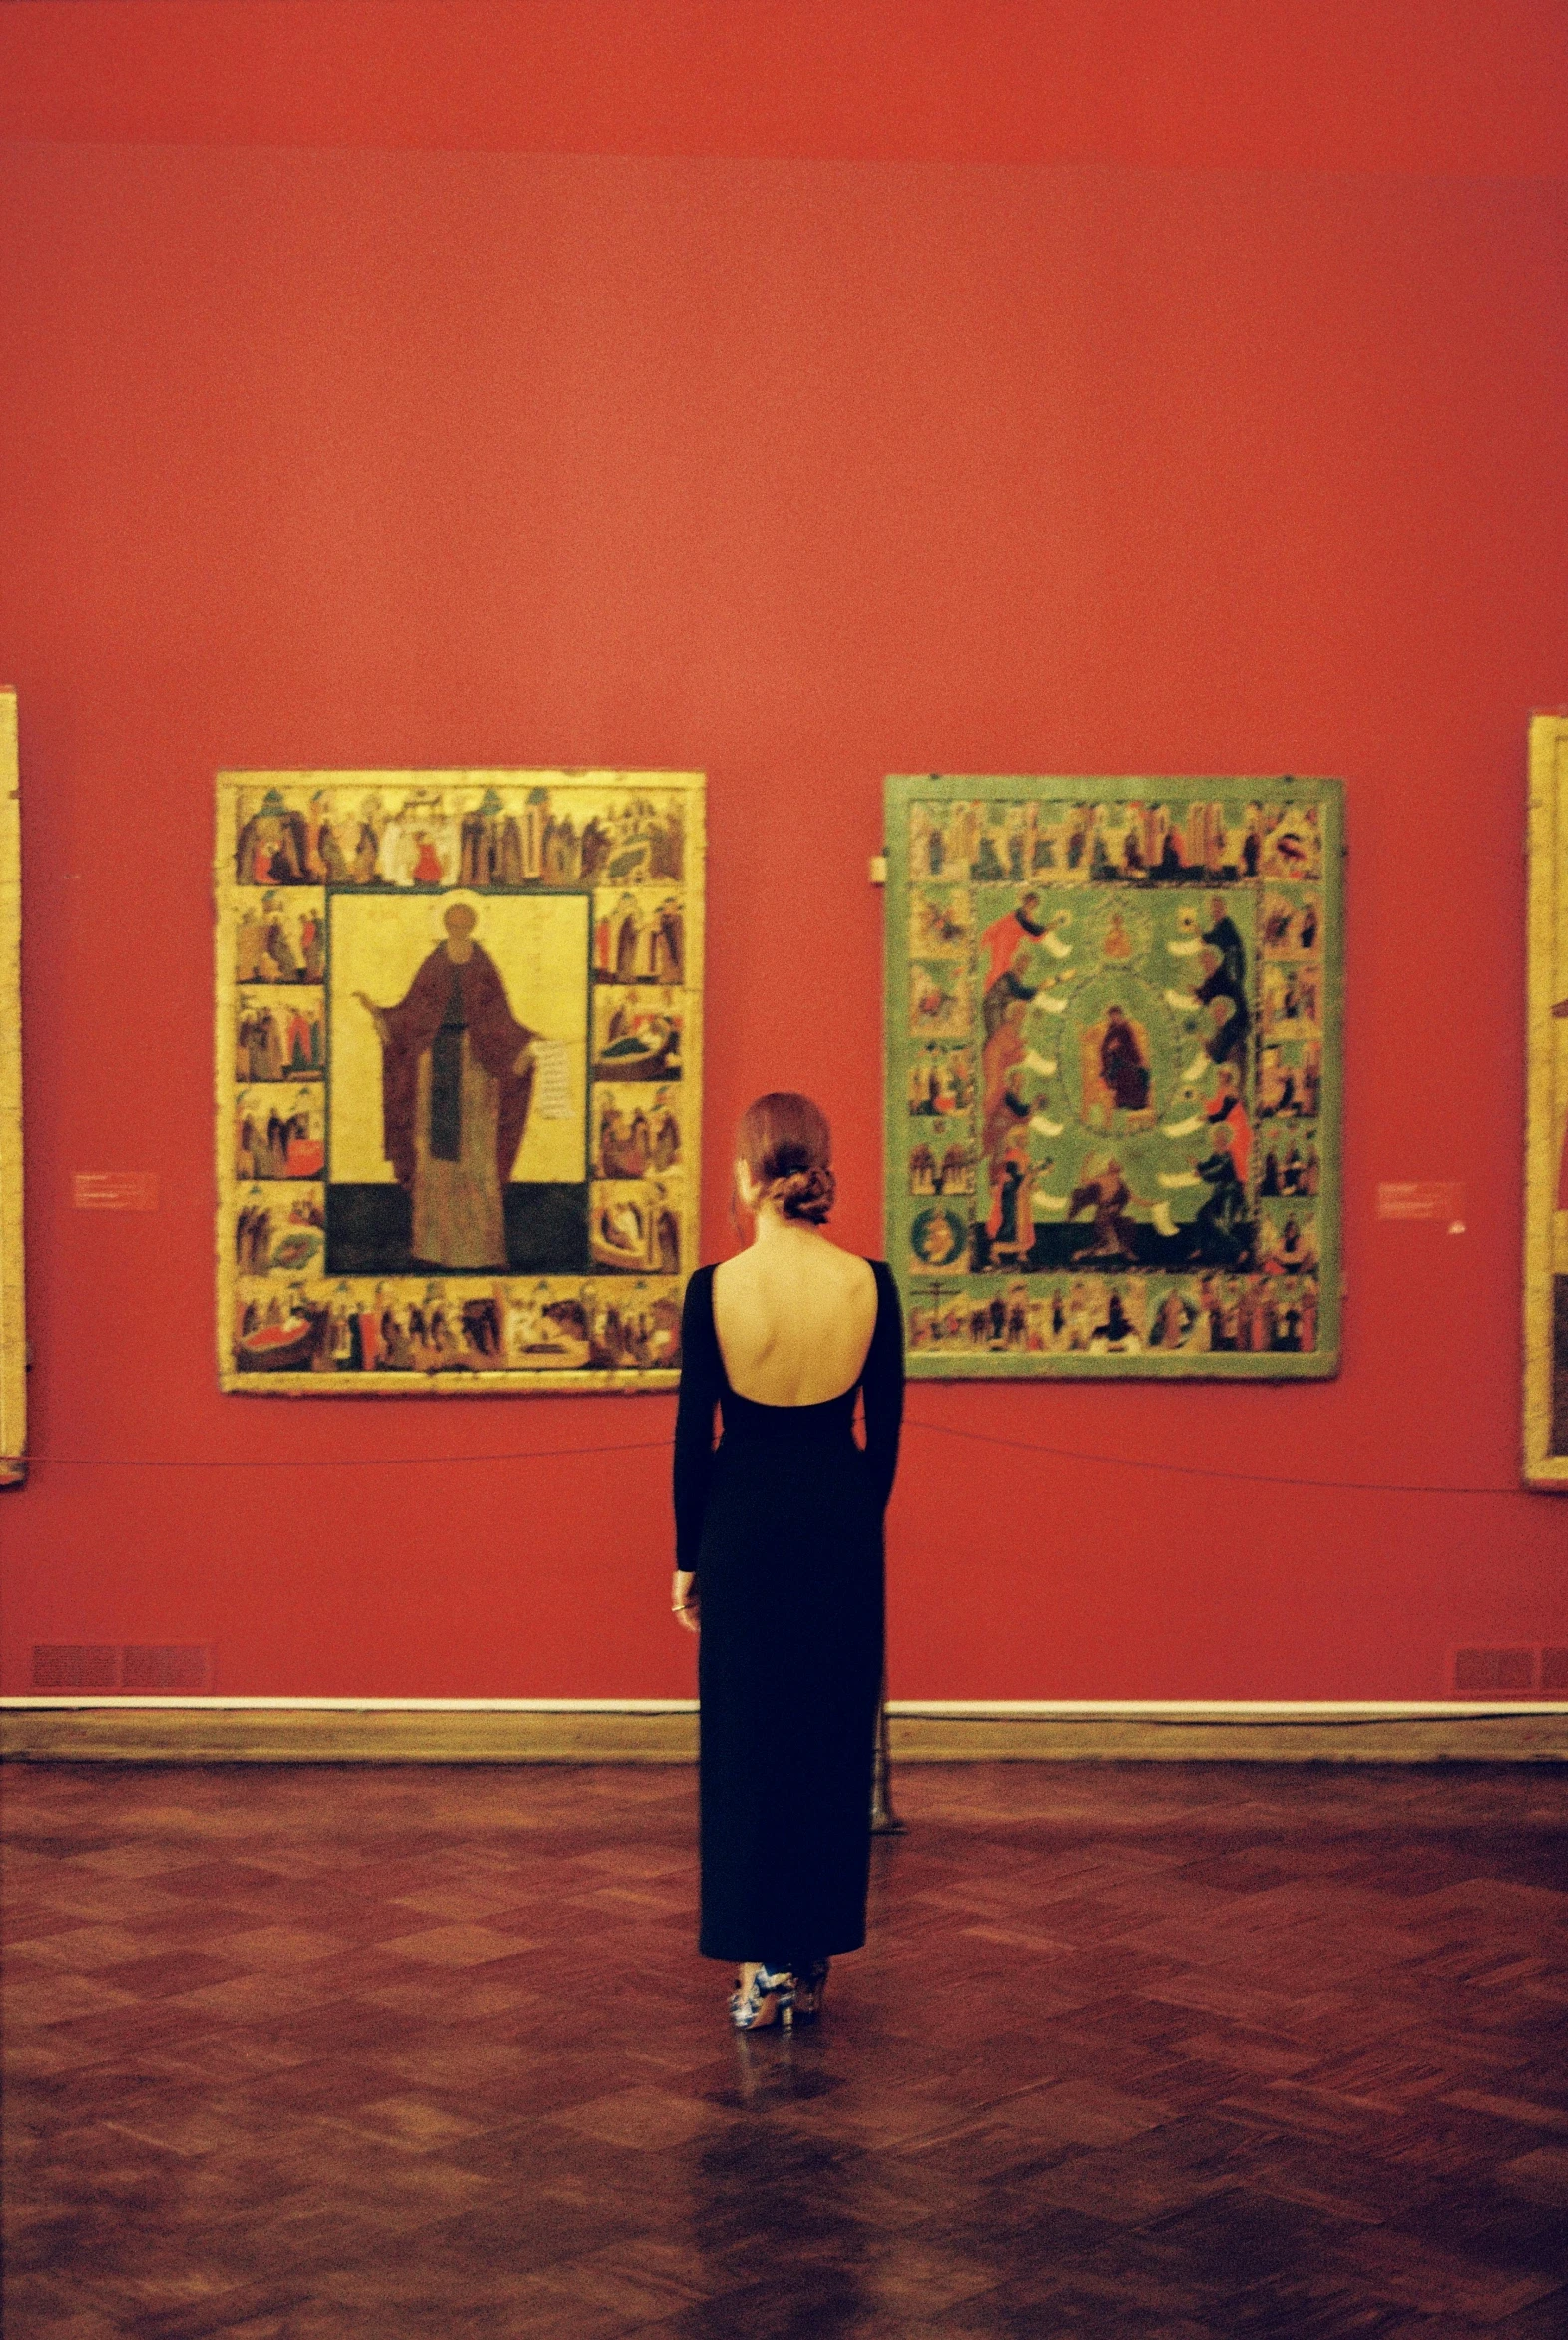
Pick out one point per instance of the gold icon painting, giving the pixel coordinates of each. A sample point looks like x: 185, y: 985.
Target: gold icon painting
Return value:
x: 459, y: 1073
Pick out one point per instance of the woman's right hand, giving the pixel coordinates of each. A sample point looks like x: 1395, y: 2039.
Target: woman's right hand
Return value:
x: 684, y: 1599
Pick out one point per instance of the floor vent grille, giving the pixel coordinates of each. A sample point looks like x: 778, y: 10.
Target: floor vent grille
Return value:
x: 148, y: 1667
x: 1494, y: 1673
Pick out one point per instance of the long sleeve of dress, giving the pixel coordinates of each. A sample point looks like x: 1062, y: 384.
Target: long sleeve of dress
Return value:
x: 694, y: 1418
x: 882, y: 1382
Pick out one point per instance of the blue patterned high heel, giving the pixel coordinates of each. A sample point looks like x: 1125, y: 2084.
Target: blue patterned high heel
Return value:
x: 810, y: 1989
x: 769, y: 1998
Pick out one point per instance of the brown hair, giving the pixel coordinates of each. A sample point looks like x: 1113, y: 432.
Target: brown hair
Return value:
x: 786, y: 1143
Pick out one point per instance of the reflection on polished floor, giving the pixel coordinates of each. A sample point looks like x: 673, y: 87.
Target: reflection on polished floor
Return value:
x: 1159, y: 2052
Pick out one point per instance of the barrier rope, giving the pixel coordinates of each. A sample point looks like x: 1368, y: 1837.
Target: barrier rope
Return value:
x: 1375, y: 1487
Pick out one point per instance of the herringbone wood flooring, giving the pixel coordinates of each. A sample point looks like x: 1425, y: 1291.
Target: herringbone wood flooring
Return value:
x: 1156, y: 2052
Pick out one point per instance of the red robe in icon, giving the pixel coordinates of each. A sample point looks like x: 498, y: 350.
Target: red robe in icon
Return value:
x: 454, y: 1109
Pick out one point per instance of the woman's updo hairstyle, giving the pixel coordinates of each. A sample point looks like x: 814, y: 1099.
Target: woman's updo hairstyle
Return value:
x: 787, y: 1147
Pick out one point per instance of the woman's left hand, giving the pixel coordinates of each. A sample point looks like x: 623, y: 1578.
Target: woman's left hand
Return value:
x: 683, y: 1598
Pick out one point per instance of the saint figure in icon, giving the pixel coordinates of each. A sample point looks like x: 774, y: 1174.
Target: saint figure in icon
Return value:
x: 457, y: 1074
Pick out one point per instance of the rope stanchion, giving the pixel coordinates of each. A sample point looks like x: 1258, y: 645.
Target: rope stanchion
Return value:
x: 885, y: 1820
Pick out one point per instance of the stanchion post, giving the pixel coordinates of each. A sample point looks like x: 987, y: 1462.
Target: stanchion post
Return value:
x: 885, y: 1820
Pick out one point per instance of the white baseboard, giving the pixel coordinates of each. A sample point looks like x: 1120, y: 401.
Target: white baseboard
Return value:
x: 953, y: 1709
x: 78, y: 1726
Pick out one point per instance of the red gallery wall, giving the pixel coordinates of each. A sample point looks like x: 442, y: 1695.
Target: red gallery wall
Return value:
x: 801, y: 393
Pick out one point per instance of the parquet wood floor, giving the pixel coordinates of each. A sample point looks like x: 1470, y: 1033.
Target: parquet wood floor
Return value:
x: 1164, y: 2052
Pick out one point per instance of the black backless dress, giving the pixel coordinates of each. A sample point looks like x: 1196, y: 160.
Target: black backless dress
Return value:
x: 782, y: 1524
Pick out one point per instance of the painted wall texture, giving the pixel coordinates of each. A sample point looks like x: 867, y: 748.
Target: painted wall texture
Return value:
x: 796, y: 412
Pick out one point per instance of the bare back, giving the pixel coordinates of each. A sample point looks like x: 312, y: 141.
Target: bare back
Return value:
x: 793, y: 1320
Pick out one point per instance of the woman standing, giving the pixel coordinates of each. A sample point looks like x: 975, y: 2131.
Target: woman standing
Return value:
x: 779, y: 1530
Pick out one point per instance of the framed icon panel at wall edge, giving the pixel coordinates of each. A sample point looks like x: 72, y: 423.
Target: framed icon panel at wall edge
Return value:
x: 1546, y: 1166
x: 13, y: 1315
